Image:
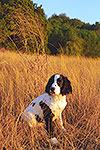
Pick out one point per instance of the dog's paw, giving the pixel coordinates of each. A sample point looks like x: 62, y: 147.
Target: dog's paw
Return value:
x: 63, y: 129
x: 54, y: 140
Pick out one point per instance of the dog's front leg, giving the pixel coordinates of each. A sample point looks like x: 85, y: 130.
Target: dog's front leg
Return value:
x: 61, y: 122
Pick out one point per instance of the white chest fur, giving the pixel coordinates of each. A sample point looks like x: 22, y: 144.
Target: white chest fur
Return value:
x: 58, y: 104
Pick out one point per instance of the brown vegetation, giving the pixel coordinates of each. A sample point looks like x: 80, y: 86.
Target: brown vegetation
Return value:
x: 23, y: 78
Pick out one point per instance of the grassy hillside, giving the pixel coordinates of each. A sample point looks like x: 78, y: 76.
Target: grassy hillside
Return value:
x: 24, y: 77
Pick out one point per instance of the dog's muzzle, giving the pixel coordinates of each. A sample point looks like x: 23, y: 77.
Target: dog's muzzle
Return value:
x: 52, y: 90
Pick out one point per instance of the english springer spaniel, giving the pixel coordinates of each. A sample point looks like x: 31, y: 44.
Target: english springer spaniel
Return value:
x: 49, y: 106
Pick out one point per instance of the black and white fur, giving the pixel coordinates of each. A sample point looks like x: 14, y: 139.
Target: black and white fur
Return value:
x: 49, y: 106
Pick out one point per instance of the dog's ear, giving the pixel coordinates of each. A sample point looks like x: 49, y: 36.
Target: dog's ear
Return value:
x: 66, y: 87
x: 50, y: 82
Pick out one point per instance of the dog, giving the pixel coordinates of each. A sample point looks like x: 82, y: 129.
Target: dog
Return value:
x: 49, y: 106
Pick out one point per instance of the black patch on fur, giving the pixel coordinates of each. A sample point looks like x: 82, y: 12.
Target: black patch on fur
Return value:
x: 50, y: 82
x: 48, y: 116
x: 66, y: 86
x: 38, y: 118
x: 33, y: 104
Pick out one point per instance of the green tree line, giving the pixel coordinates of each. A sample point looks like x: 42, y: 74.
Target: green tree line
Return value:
x: 73, y: 37
x: 24, y: 27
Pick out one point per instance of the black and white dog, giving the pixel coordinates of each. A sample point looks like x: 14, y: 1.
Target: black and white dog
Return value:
x: 49, y: 106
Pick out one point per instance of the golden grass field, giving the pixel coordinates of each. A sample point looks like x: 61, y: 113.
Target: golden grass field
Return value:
x: 23, y: 77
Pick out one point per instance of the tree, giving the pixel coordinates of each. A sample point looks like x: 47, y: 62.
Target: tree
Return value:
x: 23, y: 26
x: 62, y: 34
x: 91, y: 43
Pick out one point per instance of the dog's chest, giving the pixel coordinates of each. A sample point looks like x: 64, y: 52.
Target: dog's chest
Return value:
x: 58, y: 104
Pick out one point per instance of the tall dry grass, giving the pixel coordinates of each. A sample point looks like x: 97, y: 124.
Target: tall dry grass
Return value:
x: 23, y: 78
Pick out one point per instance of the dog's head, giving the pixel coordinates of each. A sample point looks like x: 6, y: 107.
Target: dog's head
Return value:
x: 58, y: 84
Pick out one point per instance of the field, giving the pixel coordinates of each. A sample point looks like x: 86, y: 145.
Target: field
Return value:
x: 23, y: 77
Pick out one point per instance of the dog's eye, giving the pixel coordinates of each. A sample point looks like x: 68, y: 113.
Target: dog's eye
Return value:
x: 59, y: 81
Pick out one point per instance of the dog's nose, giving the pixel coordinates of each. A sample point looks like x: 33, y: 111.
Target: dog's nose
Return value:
x: 52, y: 89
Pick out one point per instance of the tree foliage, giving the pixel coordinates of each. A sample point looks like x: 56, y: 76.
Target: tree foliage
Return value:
x: 75, y: 37
x: 23, y: 26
